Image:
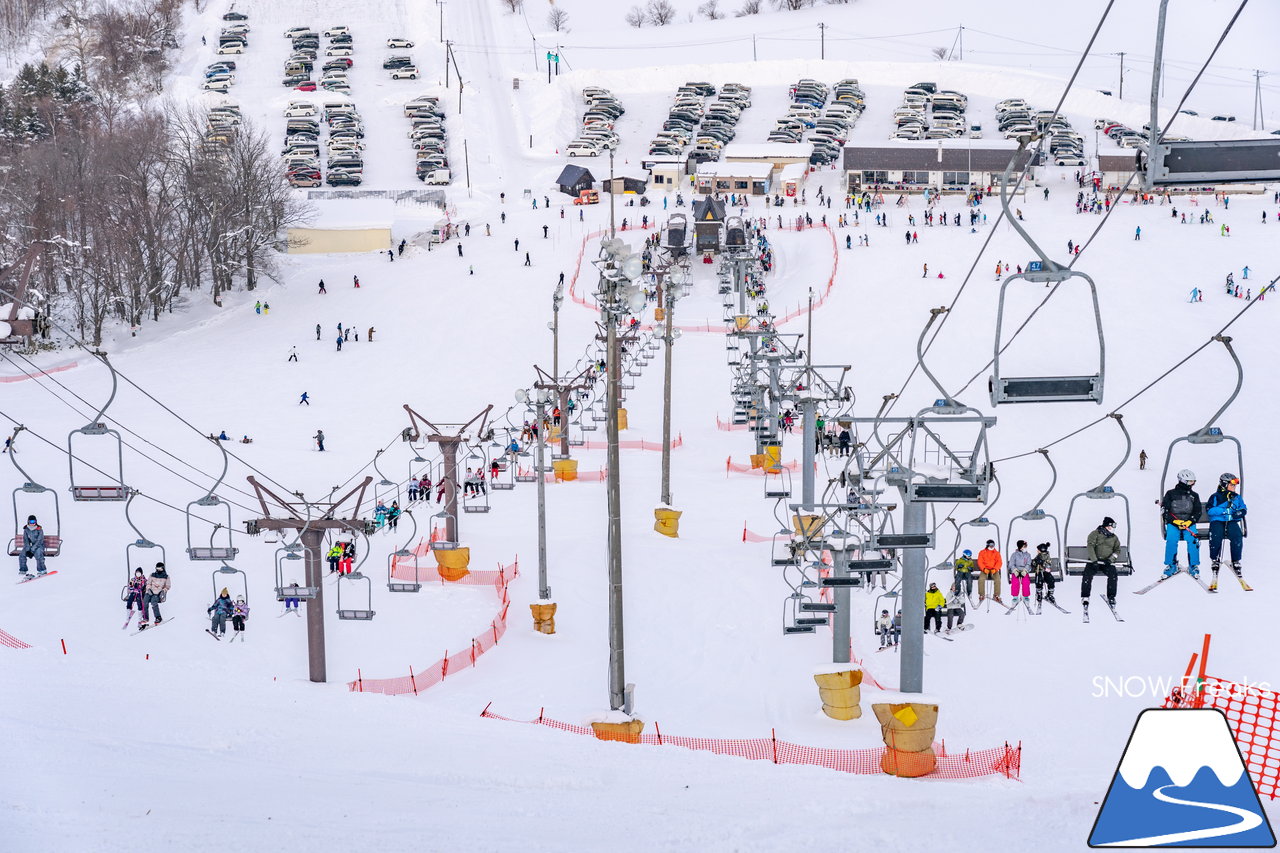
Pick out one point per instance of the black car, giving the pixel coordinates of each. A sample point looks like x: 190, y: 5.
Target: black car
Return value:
x: 295, y: 79
x: 340, y: 178
x: 706, y: 90
x: 397, y: 62
x: 235, y: 16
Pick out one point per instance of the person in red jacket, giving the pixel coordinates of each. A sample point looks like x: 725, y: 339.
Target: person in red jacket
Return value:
x: 989, y: 565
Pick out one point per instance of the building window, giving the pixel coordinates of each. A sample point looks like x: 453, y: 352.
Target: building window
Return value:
x: 915, y: 177
x: 741, y: 185
x: 722, y: 184
x: 955, y: 178
x: 875, y: 177
x: 659, y: 179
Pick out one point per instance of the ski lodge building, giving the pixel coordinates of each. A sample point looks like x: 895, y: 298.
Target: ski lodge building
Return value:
x: 916, y: 166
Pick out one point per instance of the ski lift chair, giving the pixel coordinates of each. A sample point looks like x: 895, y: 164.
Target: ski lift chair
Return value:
x: 359, y: 614
x: 1076, y: 557
x: 792, y: 620
x: 97, y: 429
x: 405, y: 554
x: 1037, y: 514
x: 384, y: 490
x: 24, y: 500
x: 211, y: 552
x: 441, y: 544
x: 892, y: 596
x: 506, y: 479
x: 777, y: 482
x: 142, y: 543
x: 1206, y: 435
x: 224, y: 578
x: 970, y: 473
x: 290, y: 555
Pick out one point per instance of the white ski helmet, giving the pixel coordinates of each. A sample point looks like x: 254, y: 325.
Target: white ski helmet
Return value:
x: 1186, y: 475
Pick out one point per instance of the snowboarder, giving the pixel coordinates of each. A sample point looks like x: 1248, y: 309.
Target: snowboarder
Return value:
x: 955, y: 609
x: 134, y: 592
x: 989, y: 565
x: 965, y: 568
x: 1103, y: 547
x: 239, y: 613
x: 1180, y: 509
x: 32, y: 546
x: 304, y: 399
x: 1020, y: 573
x: 319, y: 438
x: 220, y: 610
x: 293, y: 354
x: 157, y: 590
x: 1226, y: 509
x: 322, y: 290
x: 1042, y: 573
x: 934, y: 602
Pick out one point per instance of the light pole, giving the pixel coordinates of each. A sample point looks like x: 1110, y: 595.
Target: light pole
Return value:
x: 440, y: 5
x: 618, y: 296
x: 541, y: 396
x: 557, y: 299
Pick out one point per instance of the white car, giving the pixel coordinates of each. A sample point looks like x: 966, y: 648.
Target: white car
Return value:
x: 300, y: 109
x: 408, y: 72
x: 217, y: 85
x: 293, y: 31
x: 232, y: 48
x: 1069, y: 161
x: 582, y: 149
x: 394, y: 42
x: 337, y: 31
x: 340, y: 50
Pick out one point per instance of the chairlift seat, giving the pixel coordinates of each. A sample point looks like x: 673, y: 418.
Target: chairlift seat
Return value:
x: 599, y: 417
x: 403, y: 586
x: 52, y: 546
x: 99, y: 493
x: 303, y: 593
x: 777, y: 493
x: 523, y: 478
x: 1047, y: 389
x: 948, y: 492
x: 842, y: 582
x: 585, y: 427
x: 787, y: 560
x: 444, y: 545
x: 798, y: 629
x: 475, y: 508
x: 212, y: 553
x: 871, y: 565
x: 1078, y: 558
x: 358, y: 615
x: 811, y: 620
x: 901, y: 540
x: 502, y: 486
x: 817, y: 607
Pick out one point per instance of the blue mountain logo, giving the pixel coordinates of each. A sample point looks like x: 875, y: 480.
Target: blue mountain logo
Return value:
x: 1181, y: 783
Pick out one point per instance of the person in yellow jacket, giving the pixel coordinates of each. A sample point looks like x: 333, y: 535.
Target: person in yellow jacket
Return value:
x: 333, y: 555
x: 934, y: 603
x: 989, y: 565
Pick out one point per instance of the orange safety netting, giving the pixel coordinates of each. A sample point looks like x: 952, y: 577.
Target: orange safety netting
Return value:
x: 1250, y: 711
x: 728, y: 427
x: 999, y: 761
x: 740, y: 468
x: 639, y: 444
x: 582, y: 476
x: 35, y: 374
x: 12, y: 642
x: 433, y: 674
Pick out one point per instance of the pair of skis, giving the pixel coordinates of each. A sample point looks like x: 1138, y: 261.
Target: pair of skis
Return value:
x: 1110, y: 606
x: 1180, y: 571
x: 1213, y: 585
x: 219, y: 637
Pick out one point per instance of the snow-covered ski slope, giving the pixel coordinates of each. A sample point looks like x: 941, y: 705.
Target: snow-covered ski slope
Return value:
x: 172, y: 739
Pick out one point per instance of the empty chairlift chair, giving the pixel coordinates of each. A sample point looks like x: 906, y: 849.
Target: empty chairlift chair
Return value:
x: 219, y: 548
x: 29, y: 499
x: 403, y: 559
x: 89, y: 483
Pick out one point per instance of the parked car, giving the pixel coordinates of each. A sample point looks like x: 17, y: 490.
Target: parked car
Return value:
x: 337, y: 31
x: 308, y: 86
x: 399, y: 42
x: 235, y: 16
x: 342, y: 178
x: 582, y: 149
x: 231, y: 47
x: 338, y: 50
x: 407, y: 72
x: 399, y: 61
x: 1223, y: 118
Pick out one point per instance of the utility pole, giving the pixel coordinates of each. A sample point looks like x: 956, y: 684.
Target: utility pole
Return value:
x: 446, y: 63
x: 753, y: 47
x: 822, y: 36
x: 962, y: 42
x: 1121, y: 55
x: 320, y: 517
x: 1259, y: 120
x: 668, y: 284
x: 613, y: 231
x: 440, y: 5
x: 1153, y: 132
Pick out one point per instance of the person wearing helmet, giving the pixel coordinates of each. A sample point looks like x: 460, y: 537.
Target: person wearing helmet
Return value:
x: 1181, y: 508
x: 955, y: 609
x: 989, y: 564
x: 884, y: 627
x: 239, y: 613
x: 1226, y: 511
x: 934, y: 601
x: 1042, y: 574
x: 965, y: 570
x: 32, y: 546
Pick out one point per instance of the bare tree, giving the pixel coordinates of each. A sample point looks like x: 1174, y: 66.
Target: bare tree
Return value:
x: 558, y: 19
x: 711, y: 10
x: 660, y: 12
x: 791, y: 5
x: 513, y: 6
x: 939, y: 52
x: 749, y: 7
x: 635, y: 17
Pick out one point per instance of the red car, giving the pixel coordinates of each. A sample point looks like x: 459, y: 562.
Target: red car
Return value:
x: 309, y: 86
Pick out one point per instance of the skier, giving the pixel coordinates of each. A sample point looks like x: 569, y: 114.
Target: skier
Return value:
x: 222, y: 436
x: 544, y: 232
x: 1137, y: 233
x: 220, y: 610
x: 404, y: 243
x: 459, y: 249
x: 1226, y: 509
x: 413, y: 490
x: 32, y: 546
x: 1103, y: 546
x: 348, y: 557
x: 934, y: 602
x: 356, y: 280
x: 319, y: 439
x: 517, y: 244
x: 291, y: 601
x: 333, y: 555
x: 157, y: 590
x: 1180, y: 510
x: 1019, y: 573
x: 257, y: 307
x: 266, y: 308
x: 239, y: 613
x: 527, y: 261
x: 317, y: 331
x: 293, y: 354
x: 955, y: 608
x: 965, y: 569
x: 393, y: 515
x: 1042, y: 574
x: 339, y: 343
x: 391, y: 256
x: 1246, y: 269
x: 989, y: 564
x: 846, y: 441
x: 322, y: 290
x: 884, y: 627
x: 925, y: 274
x: 134, y: 592
x: 304, y: 399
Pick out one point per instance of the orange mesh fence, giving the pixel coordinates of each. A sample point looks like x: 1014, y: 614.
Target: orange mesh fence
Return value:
x: 739, y: 468
x: 34, y: 375
x: 422, y: 679
x: 728, y: 427
x: 998, y: 761
x: 9, y: 641
x: 1252, y: 714
x: 597, y: 476
x: 639, y: 444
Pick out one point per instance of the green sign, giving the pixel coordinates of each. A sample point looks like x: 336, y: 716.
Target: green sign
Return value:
x: 553, y: 57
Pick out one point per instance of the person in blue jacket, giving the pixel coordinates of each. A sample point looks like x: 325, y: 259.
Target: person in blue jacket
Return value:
x: 32, y: 546
x: 220, y: 610
x: 1226, y: 509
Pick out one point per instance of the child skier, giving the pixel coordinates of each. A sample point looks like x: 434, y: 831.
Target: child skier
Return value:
x: 1042, y: 574
x: 1020, y: 573
x: 220, y: 610
x: 239, y: 613
x: 133, y: 594
x: 955, y: 609
x: 290, y: 603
